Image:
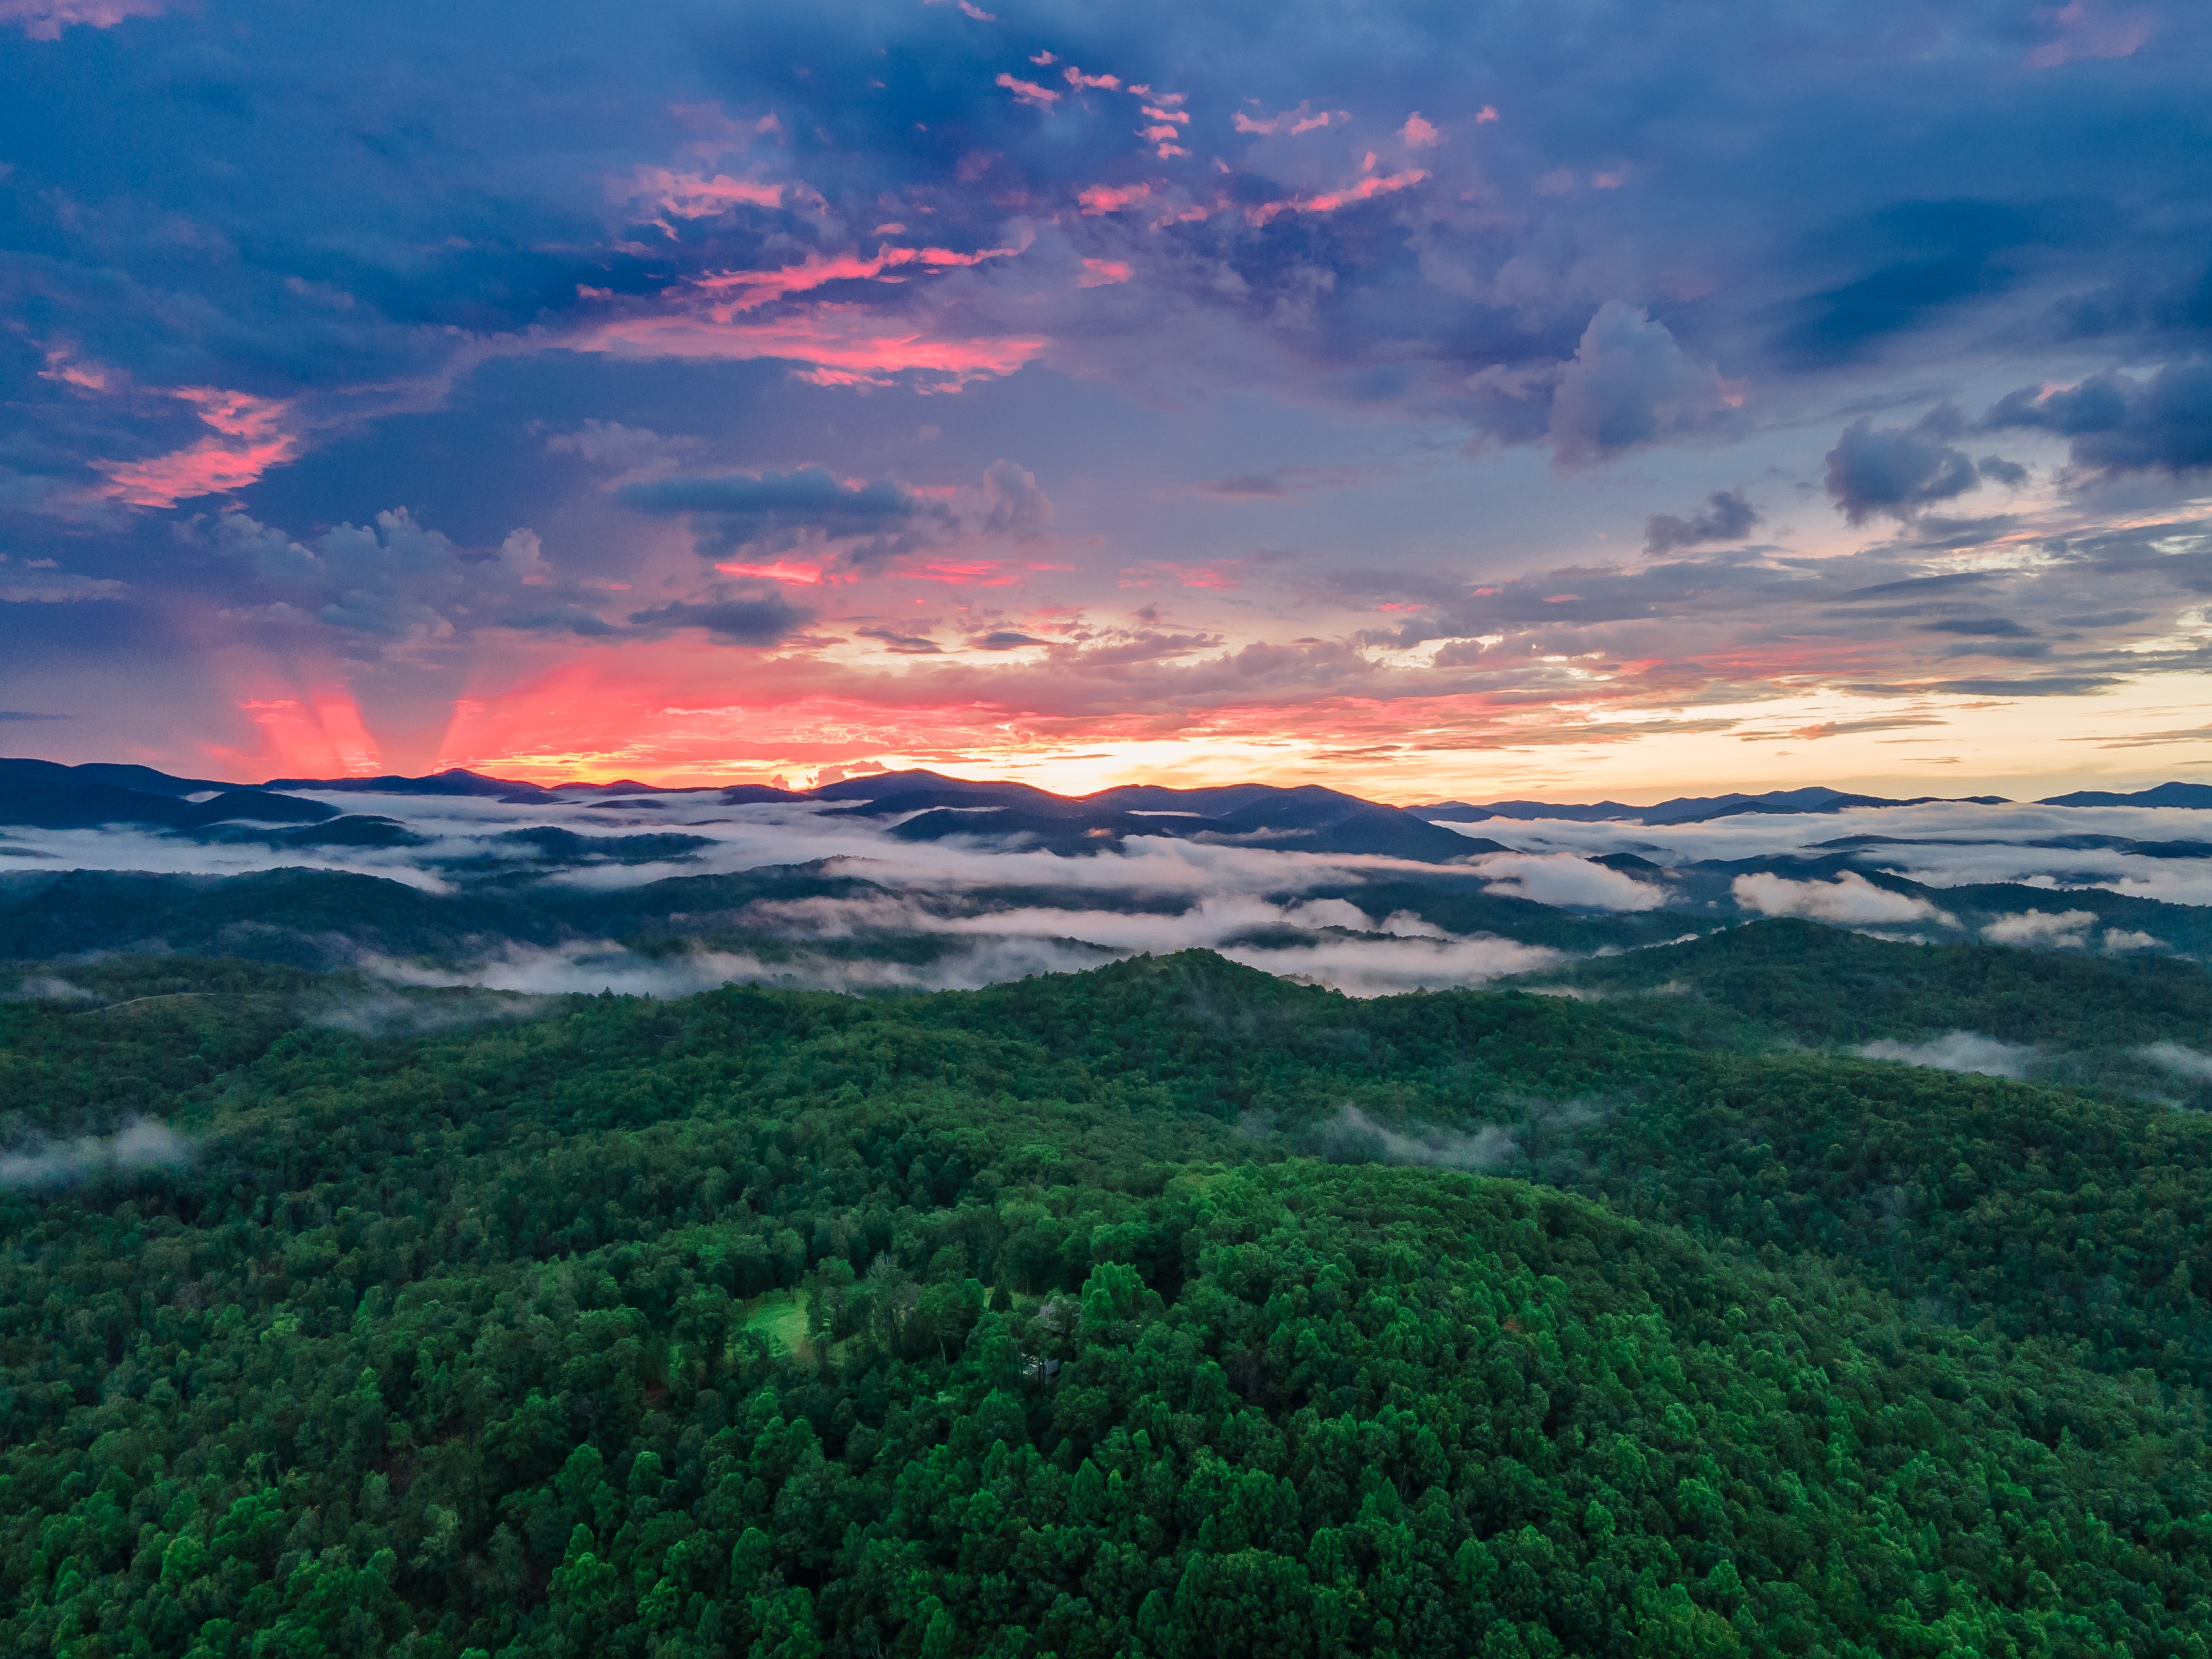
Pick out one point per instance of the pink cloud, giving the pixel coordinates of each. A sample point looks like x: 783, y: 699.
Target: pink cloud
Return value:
x: 1099, y: 273
x: 1111, y: 198
x: 689, y: 195
x: 1029, y: 92
x: 1292, y: 121
x: 780, y: 570
x: 756, y: 288
x: 969, y: 572
x: 977, y: 12
x: 842, y: 344
x: 1487, y: 113
x: 1153, y: 572
x: 45, y: 20
x: 2083, y: 32
x: 1178, y: 117
x: 1366, y: 190
x: 1076, y: 78
x: 1418, y: 134
x: 89, y: 377
x: 251, y: 438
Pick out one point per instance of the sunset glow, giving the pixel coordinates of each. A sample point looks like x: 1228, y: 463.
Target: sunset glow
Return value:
x: 1405, y: 406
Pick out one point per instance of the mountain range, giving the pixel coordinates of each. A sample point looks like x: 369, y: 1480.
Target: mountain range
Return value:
x: 929, y: 805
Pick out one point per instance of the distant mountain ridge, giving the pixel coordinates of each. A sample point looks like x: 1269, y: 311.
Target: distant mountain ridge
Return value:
x: 931, y: 806
x: 1697, y: 809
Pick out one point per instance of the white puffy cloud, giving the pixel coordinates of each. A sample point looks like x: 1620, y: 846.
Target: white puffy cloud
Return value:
x: 2066, y: 928
x: 1563, y: 879
x: 1851, y: 898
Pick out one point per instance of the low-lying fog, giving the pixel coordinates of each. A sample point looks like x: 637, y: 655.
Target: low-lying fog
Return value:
x: 992, y: 910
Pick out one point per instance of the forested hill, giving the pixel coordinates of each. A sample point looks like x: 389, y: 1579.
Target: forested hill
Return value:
x: 1168, y: 1309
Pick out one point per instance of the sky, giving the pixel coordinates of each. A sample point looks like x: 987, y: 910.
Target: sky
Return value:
x: 1432, y: 402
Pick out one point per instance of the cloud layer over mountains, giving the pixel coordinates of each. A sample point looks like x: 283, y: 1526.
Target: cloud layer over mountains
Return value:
x: 915, y: 880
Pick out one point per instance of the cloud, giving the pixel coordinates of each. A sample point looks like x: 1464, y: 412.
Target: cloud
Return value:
x: 45, y: 20
x: 1366, y: 189
x: 1353, y: 1130
x: 905, y: 645
x: 2181, y: 1061
x: 747, y: 507
x: 745, y: 290
x: 1934, y: 844
x: 842, y: 344
x: 429, y: 321
x: 1726, y: 516
x: 690, y: 195
x: 1029, y: 92
x: 253, y: 434
x: 1629, y: 385
x: 140, y: 1144
x: 1013, y: 504
x: 1563, y: 879
x: 2086, y: 29
x: 1302, y: 119
x: 1850, y: 899
x: 2115, y: 423
x: 1100, y: 273
x: 1111, y: 198
x: 2067, y: 929
x: 1897, y: 471
x: 1956, y: 1051
x: 767, y: 620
